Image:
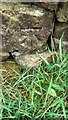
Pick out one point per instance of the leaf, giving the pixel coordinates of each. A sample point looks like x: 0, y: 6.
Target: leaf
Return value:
x: 60, y: 46
x: 5, y: 107
x: 32, y: 95
x: 37, y: 92
x: 55, y: 103
x: 63, y: 107
x: 52, y: 92
x: 57, y: 87
x: 45, y: 60
x: 52, y: 43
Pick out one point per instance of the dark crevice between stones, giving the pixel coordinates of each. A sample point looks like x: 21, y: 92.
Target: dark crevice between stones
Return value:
x: 10, y: 56
x: 50, y: 41
x: 51, y: 36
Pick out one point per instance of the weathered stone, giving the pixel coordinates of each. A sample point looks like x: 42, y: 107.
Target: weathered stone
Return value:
x: 3, y: 55
x: 59, y: 29
x: 26, y: 28
x: 49, y: 5
x: 31, y: 60
x: 62, y: 13
x: 64, y: 45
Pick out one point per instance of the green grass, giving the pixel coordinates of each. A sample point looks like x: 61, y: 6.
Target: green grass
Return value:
x: 40, y: 93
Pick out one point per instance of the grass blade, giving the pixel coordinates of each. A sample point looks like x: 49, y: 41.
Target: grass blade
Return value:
x: 60, y: 46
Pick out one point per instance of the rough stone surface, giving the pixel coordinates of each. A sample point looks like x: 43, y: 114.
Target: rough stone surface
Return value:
x: 26, y: 28
x: 31, y: 60
x: 50, y: 5
x: 59, y: 29
x: 62, y: 13
x: 3, y: 55
x: 62, y: 24
x: 64, y: 45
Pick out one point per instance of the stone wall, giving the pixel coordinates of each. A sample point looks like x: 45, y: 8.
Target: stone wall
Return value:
x: 61, y: 20
x: 27, y: 28
x: 61, y: 14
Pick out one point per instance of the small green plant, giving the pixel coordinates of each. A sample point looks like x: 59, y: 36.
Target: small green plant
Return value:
x: 37, y: 94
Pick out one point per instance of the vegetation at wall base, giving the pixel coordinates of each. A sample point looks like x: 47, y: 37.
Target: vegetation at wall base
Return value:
x: 40, y: 93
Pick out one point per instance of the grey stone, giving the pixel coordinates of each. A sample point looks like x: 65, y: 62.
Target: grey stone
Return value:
x: 25, y: 28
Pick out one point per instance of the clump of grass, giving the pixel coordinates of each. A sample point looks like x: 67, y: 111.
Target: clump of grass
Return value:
x: 38, y: 94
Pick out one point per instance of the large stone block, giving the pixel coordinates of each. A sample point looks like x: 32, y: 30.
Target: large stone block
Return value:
x: 26, y: 28
x: 31, y: 60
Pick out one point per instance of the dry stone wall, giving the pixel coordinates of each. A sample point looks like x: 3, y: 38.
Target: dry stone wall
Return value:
x: 26, y: 28
x: 62, y: 21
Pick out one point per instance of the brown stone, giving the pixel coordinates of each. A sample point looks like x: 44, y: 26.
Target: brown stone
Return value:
x: 64, y: 45
x: 25, y: 28
x: 59, y: 29
x: 62, y: 13
x: 31, y: 60
x: 50, y: 5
